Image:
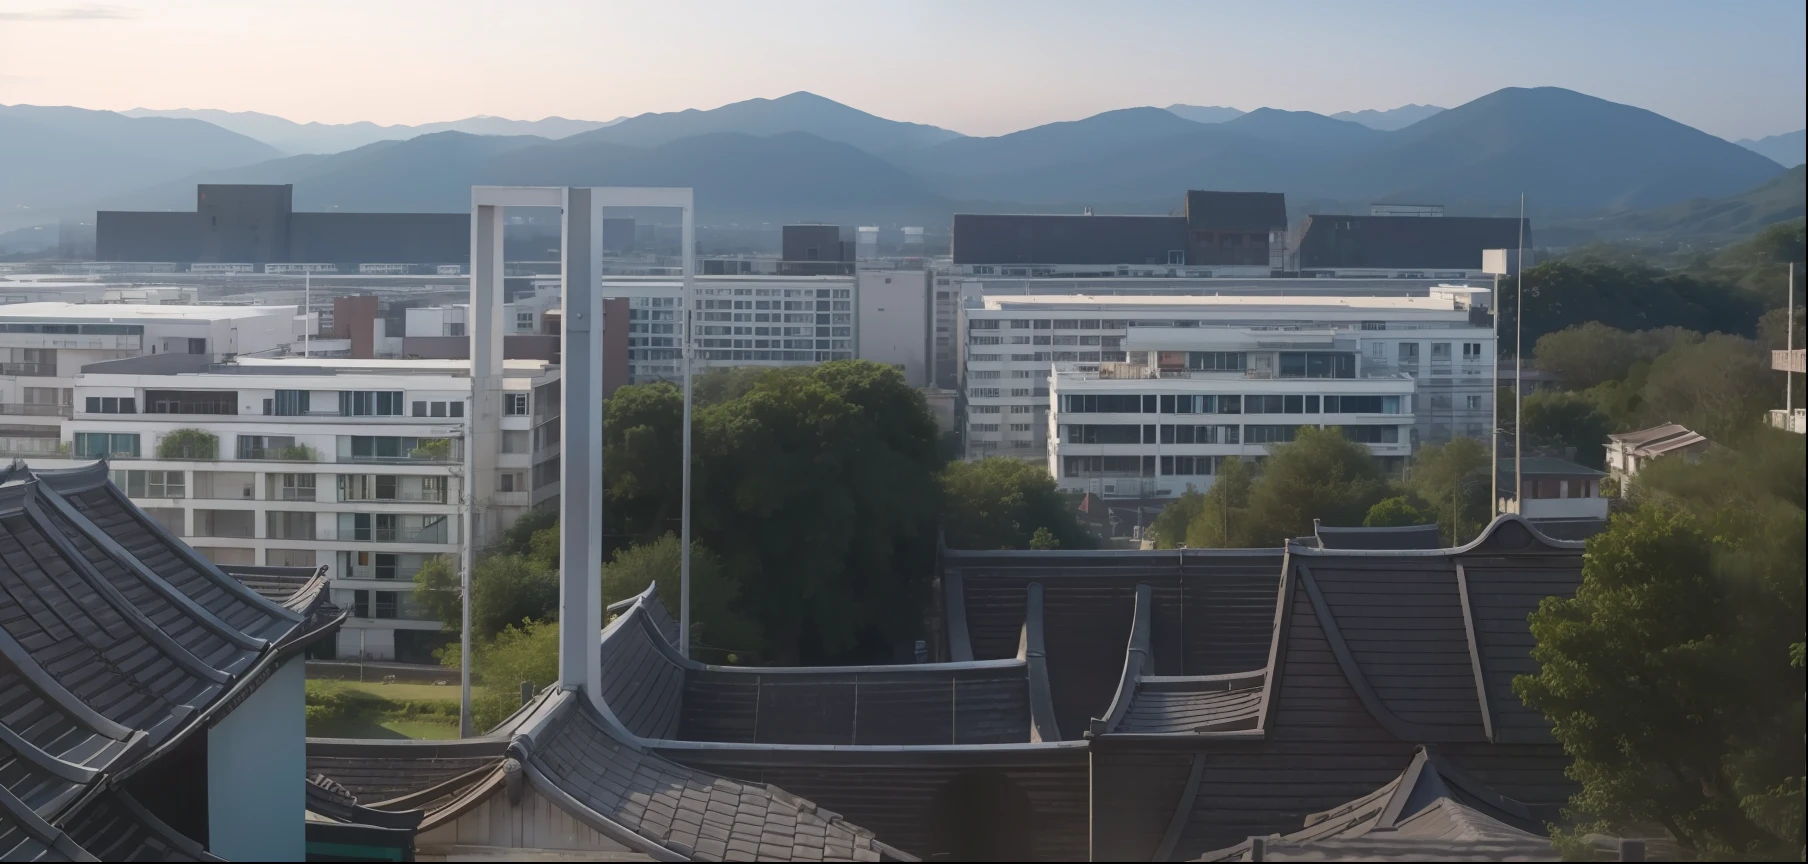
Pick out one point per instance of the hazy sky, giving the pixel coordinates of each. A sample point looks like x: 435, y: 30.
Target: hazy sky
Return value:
x: 982, y: 67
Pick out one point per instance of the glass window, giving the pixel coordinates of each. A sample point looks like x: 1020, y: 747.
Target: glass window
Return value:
x: 513, y: 405
x: 104, y: 445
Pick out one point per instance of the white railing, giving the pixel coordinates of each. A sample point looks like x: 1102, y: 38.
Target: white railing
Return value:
x: 1790, y: 421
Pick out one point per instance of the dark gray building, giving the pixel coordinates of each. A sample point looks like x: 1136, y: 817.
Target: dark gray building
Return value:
x: 1392, y: 242
x: 815, y: 250
x: 257, y: 224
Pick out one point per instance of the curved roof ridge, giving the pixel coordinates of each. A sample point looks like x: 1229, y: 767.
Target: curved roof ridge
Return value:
x: 1479, y: 544
x: 1136, y: 656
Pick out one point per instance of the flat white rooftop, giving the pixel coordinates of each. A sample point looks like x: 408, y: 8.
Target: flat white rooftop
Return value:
x: 129, y: 313
x: 1146, y: 301
x: 448, y: 367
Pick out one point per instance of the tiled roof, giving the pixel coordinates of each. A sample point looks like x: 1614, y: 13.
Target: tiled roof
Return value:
x: 1432, y: 812
x: 118, y: 641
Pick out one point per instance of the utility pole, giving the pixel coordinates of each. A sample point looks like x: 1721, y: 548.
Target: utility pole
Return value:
x: 684, y: 553
x: 467, y: 523
x: 1788, y: 346
x: 1519, y: 369
x: 307, y: 305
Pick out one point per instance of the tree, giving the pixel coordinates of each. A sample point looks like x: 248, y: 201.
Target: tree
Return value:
x: 1319, y: 475
x: 1223, y: 520
x: 1672, y: 678
x: 1395, y: 512
x: 505, y: 590
x: 188, y: 444
x: 1453, y: 479
x: 1001, y: 503
x: 1169, y: 530
x: 1044, y: 539
x: 1567, y: 419
x: 525, y: 653
x: 643, y: 462
x: 716, y: 623
x: 1593, y: 353
x: 518, y: 537
x: 1566, y: 293
x: 821, y: 490
x: 1715, y: 387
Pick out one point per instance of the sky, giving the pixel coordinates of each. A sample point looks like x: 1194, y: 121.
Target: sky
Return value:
x: 981, y: 67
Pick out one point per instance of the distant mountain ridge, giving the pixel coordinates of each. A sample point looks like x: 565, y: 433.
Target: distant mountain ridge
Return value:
x: 806, y: 157
x: 796, y: 112
x: 51, y: 156
x: 1391, y: 120
x: 1788, y: 149
x: 1205, y: 113
x: 295, y: 138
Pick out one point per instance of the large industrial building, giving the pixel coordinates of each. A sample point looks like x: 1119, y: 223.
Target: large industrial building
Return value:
x: 257, y: 226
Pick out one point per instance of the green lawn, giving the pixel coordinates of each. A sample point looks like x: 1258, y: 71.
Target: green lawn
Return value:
x: 366, y: 709
x: 404, y: 692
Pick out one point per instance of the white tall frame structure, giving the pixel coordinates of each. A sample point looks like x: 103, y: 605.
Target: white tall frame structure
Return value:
x: 581, y: 414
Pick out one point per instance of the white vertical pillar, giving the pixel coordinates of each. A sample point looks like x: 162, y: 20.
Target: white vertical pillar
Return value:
x: 687, y: 352
x: 581, y: 442
x: 483, y: 422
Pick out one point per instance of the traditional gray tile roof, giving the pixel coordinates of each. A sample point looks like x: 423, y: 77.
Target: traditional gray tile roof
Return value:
x: 118, y: 641
x: 1375, y: 653
x: 1402, y: 537
x: 1433, y: 811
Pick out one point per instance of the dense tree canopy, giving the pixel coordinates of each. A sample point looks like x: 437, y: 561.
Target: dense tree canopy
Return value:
x: 1320, y: 475
x: 1395, y: 512
x: 1568, y: 421
x: 1715, y: 387
x: 1564, y: 293
x: 1673, y: 677
x: 719, y: 630
x: 1001, y: 503
x: 1452, y: 479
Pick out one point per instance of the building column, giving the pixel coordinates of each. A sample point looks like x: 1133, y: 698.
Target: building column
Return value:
x: 581, y: 447
x: 483, y: 421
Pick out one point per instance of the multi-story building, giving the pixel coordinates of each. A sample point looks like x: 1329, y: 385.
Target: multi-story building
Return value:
x: 738, y: 320
x: 354, y: 464
x: 1165, y: 421
x: 1443, y: 344
x: 43, y: 346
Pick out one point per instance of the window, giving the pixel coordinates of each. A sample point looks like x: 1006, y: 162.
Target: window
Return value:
x: 287, y: 403
x: 191, y: 402
x: 152, y: 484
x: 1103, y: 434
x: 524, y: 320
x: 514, y: 441
x: 224, y: 523
x: 1370, y: 434
x: 1440, y: 352
x: 266, y: 446
x: 103, y: 445
x: 290, y: 487
x: 197, y: 346
x: 1362, y: 404
x: 1216, y: 361
x: 1409, y: 352
x: 286, y: 525
x: 1108, y: 466
x: 112, y: 405
x: 513, y: 481
x: 513, y: 404
x: 1264, y: 404
x: 1317, y: 365
x: 1374, y: 325
x: 1472, y: 350
x: 370, y: 403
x: 1188, y: 465
x: 1473, y: 403
x: 1195, y: 434
x: 1269, y: 434
x: 360, y: 604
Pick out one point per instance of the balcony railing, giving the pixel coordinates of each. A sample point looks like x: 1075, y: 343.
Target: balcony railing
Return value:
x: 1790, y: 421
x: 414, y: 497
x: 434, y: 534
x: 11, y: 446
x: 41, y: 370
x: 21, y: 409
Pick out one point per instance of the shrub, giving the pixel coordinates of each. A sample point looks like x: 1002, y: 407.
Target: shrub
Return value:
x: 189, y: 444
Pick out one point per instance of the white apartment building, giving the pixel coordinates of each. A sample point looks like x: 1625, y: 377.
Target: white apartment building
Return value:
x: 354, y: 464
x: 894, y: 321
x: 1011, y: 343
x: 744, y: 320
x: 43, y: 346
x: 1165, y: 421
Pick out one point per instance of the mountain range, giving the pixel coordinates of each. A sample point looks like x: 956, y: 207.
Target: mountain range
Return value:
x: 804, y: 157
x: 292, y: 138
x: 1788, y: 149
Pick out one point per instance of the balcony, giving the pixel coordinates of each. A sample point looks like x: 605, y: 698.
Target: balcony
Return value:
x: 290, y: 453
x: 38, y: 370
x: 424, y: 496
x: 428, y: 534
x: 19, y: 409
x: 22, y: 446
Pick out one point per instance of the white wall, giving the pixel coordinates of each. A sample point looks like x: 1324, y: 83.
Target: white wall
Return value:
x: 256, y: 765
x: 893, y: 321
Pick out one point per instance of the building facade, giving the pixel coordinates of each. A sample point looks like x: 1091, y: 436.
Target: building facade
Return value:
x: 1011, y: 345
x: 739, y: 320
x: 1164, y: 422
x: 357, y: 465
x: 43, y: 347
